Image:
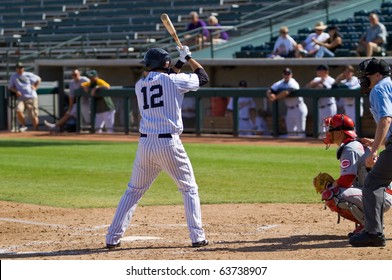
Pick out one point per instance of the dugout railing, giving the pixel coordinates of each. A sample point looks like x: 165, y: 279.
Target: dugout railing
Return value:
x: 312, y: 94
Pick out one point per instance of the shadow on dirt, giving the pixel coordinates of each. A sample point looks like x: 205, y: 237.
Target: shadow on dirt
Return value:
x: 292, y: 243
x: 77, y: 252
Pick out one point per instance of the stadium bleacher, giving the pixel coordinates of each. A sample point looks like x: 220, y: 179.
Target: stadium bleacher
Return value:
x: 351, y: 28
x: 124, y: 29
x: 109, y: 28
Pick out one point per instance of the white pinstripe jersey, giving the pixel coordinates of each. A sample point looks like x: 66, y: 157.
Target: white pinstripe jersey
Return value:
x: 159, y: 96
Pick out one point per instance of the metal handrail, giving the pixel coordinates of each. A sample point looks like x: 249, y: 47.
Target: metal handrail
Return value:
x: 270, y: 17
x: 263, y: 9
x: 48, y: 49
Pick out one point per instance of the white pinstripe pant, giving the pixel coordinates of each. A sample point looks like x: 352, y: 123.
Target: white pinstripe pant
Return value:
x: 153, y: 155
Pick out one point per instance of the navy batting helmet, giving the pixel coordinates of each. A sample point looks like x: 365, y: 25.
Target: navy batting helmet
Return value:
x: 156, y: 58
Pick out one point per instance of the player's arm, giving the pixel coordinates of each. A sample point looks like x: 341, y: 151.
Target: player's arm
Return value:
x: 71, y: 99
x: 283, y: 94
x: 102, y: 84
x: 86, y: 86
x: 199, y: 71
x: 36, y: 84
x: 186, y: 56
x: 344, y: 181
x: 15, y: 90
x: 381, y: 132
x: 271, y: 95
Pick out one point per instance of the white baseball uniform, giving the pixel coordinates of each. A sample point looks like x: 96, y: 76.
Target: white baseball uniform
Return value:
x: 244, y: 105
x: 327, y: 105
x: 349, y: 102
x: 297, y: 110
x: 160, y: 97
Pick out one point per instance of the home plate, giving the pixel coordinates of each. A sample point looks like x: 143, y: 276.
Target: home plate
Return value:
x: 137, y: 238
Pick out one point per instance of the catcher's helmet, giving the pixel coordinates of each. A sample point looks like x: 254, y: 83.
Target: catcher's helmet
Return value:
x: 156, y: 58
x: 338, y: 122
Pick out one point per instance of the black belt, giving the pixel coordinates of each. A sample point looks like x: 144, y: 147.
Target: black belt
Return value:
x: 322, y: 107
x: 293, y: 107
x: 349, y: 105
x: 245, y: 119
x: 164, y: 135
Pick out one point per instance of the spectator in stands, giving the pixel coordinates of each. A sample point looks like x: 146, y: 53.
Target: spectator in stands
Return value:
x: 285, y: 45
x: 203, y: 35
x: 327, y: 105
x: 24, y: 85
x: 374, y: 39
x: 217, y: 37
x: 244, y: 106
x: 328, y: 48
x: 309, y: 48
x: 71, y: 112
x: 105, y: 109
x: 258, y: 125
x: 297, y: 110
x: 347, y: 79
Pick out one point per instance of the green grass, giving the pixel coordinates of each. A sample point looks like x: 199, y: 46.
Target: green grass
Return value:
x: 95, y: 174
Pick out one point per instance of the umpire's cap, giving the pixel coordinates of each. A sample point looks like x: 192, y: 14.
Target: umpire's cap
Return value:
x: 156, y: 58
x: 373, y: 66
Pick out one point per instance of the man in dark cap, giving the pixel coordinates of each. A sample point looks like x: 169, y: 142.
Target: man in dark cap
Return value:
x: 376, y: 77
x: 326, y: 105
x: 297, y: 110
x: 24, y: 85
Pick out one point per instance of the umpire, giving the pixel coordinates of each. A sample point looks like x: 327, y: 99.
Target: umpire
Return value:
x: 376, y: 77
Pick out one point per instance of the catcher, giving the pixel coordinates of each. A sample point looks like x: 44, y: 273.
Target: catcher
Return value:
x: 344, y: 195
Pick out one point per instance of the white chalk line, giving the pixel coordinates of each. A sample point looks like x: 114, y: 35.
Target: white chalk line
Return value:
x: 26, y: 222
x: 266, y: 227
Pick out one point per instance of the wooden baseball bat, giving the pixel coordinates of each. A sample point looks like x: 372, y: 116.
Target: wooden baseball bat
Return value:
x: 170, y: 28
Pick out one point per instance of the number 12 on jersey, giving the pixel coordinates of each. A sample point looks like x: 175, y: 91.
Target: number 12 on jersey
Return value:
x: 154, y: 93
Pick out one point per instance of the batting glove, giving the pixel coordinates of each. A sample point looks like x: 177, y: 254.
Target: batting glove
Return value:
x: 185, y: 53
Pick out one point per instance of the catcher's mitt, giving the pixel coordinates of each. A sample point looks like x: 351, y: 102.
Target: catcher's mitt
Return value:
x: 321, y: 181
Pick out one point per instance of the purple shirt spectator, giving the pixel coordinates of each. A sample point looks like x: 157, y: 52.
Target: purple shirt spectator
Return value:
x: 197, y: 23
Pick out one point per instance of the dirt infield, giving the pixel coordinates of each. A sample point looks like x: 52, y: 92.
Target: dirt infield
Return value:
x: 235, y: 231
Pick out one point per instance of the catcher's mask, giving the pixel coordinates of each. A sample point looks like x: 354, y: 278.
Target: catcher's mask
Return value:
x: 369, y: 67
x: 338, y: 122
x: 156, y: 59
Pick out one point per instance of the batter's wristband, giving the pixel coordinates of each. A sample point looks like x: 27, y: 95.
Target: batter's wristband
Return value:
x: 188, y: 57
x: 179, y: 64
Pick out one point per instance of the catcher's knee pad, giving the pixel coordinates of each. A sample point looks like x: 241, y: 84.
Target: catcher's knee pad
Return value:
x: 351, y: 212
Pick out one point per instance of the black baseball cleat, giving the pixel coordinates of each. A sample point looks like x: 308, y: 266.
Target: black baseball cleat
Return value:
x: 365, y: 239
x: 113, y: 246
x: 200, y: 243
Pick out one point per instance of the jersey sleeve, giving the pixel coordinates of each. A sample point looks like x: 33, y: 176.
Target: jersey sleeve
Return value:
x: 102, y: 83
x: 34, y: 78
x: 382, y: 103
x: 86, y: 84
x: 275, y: 86
x: 185, y: 82
x: 349, y: 162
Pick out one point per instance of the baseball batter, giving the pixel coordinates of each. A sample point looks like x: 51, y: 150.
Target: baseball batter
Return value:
x: 160, y: 94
